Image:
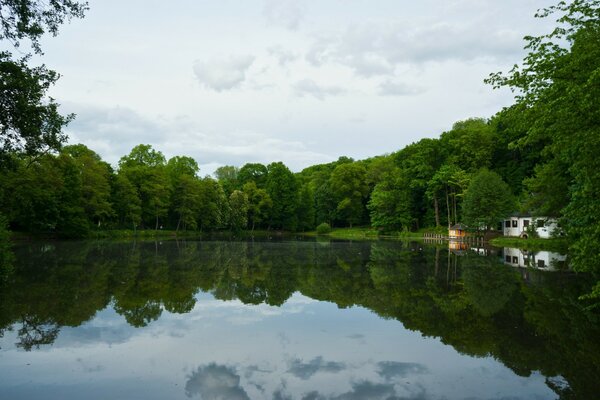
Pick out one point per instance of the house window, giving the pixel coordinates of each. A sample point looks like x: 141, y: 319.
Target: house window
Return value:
x: 515, y: 223
x: 540, y: 223
x: 507, y: 224
x: 515, y: 260
x: 507, y: 258
x: 541, y: 264
x: 526, y: 223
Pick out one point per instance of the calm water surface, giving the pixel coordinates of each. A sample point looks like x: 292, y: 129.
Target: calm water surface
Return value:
x: 290, y: 320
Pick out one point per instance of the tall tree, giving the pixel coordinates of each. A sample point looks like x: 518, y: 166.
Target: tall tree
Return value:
x: 145, y: 168
x: 558, y: 96
x: 282, y: 187
x: 95, y: 182
x: 29, y: 120
x: 390, y: 204
x: 238, y: 210
x: 259, y: 204
x: 253, y: 172
x: 350, y: 190
x: 488, y: 200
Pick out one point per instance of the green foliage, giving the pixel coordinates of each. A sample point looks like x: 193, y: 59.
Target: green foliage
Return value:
x: 391, y: 203
x: 323, y: 228
x: 227, y: 176
x: 253, y: 172
x: 30, y: 19
x: 349, y: 190
x: 145, y: 168
x: 558, y: 94
x: 29, y: 122
x: 126, y: 202
x: 469, y: 145
x: 487, y: 201
x: 282, y: 188
x: 259, y: 204
x: 306, y: 209
x: 238, y: 211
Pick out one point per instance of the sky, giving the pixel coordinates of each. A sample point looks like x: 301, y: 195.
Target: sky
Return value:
x: 304, y: 82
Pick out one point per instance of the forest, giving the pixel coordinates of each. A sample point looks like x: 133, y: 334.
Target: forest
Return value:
x: 539, y: 155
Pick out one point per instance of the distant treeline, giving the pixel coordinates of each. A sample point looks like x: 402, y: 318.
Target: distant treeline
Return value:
x: 545, y: 147
x: 74, y: 192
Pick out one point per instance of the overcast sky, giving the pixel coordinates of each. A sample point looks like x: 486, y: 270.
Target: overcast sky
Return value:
x: 303, y: 82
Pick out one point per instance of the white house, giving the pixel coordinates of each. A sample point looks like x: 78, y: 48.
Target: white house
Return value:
x: 519, y: 225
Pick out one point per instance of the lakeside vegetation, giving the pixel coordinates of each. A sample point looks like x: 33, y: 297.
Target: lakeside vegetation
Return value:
x: 538, y: 155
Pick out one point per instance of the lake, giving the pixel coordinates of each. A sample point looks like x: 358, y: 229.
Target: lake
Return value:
x: 291, y: 319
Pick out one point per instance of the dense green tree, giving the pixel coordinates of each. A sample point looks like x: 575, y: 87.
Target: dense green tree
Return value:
x: 238, y: 211
x: 31, y: 195
x: 213, y: 203
x: 390, y: 205
x: 227, y: 175
x: 558, y: 94
x: 253, y: 172
x: 72, y: 220
x: 185, y: 201
x: 126, y: 202
x: 30, y: 123
x: 145, y: 168
x: 488, y: 200
x: 420, y: 161
x: 350, y: 190
x: 448, y: 182
x: 95, y: 182
x: 29, y: 120
x: 259, y: 204
x: 282, y: 188
x: 181, y: 165
x: 306, y: 209
x: 469, y: 145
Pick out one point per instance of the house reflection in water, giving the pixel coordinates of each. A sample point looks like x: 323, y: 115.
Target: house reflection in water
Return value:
x: 544, y: 260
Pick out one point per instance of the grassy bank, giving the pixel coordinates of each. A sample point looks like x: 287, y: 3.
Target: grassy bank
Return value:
x: 366, y: 233
x: 559, y: 245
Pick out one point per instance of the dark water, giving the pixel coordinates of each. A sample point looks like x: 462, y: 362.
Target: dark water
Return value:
x: 290, y: 320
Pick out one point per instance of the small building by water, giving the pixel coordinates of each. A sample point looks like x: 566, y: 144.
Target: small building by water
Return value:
x: 458, y: 231
x: 521, y: 225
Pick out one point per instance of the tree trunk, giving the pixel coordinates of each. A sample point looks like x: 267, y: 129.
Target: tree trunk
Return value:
x: 448, y: 207
x: 454, y: 202
x: 437, y: 210
x: 178, y: 222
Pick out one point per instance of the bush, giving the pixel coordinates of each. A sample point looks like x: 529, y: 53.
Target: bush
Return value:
x: 323, y: 228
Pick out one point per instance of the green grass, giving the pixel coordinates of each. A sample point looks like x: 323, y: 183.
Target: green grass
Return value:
x: 559, y: 245
x: 366, y: 233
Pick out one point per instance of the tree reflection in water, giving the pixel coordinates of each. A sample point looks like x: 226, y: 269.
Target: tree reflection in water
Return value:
x: 476, y: 304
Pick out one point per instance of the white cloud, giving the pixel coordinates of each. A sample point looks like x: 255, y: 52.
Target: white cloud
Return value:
x: 113, y: 132
x: 393, y: 88
x: 286, y: 13
x: 375, y: 48
x: 282, y: 55
x: 308, y: 87
x: 224, y: 73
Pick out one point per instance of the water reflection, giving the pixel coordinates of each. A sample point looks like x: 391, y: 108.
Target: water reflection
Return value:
x: 263, y: 320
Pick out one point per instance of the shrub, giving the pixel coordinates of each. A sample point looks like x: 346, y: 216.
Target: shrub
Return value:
x: 323, y: 228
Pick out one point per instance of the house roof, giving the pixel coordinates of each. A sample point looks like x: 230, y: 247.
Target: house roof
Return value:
x: 458, y: 227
